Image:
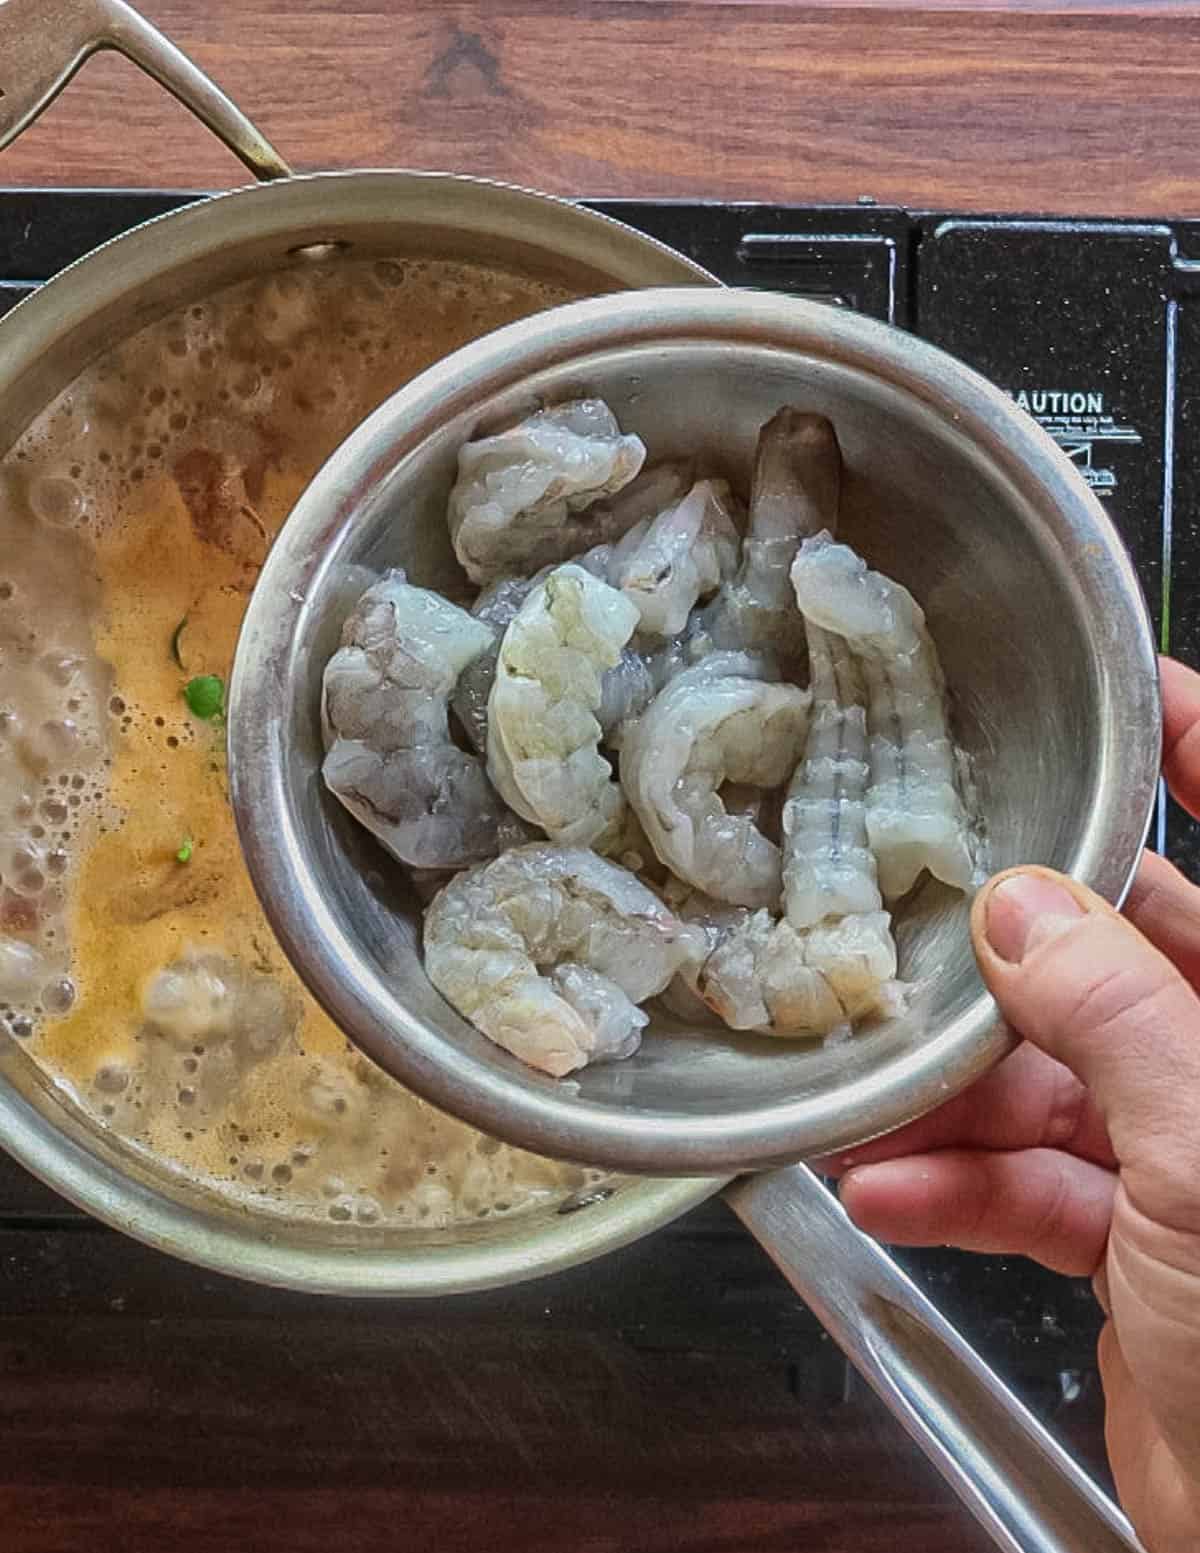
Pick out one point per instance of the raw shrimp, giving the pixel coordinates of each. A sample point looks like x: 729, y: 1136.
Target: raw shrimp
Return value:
x: 760, y: 973
x: 625, y: 689
x: 831, y: 958
x: 686, y: 553
x: 713, y: 921
x: 756, y: 979
x: 795, y: 492
x: 765, y: 975
x: 543, y: 734
x: 511, y: 507
x: 915, y: 815
x: 856, y: 955
x: 606, y: 941
x: 719, y: 721
x: 391, y: 760
x: 828, y: 869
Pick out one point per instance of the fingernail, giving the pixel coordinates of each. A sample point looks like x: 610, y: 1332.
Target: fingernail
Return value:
x: 1026, y: 910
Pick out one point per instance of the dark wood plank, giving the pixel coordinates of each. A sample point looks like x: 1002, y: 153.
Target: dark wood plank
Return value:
x: 23, y: 1198
x: 983, y: 109
x: 671, y: 1396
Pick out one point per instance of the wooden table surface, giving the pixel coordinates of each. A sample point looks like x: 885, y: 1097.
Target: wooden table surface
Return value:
x: 670, y: 1397
x: 997, y: 107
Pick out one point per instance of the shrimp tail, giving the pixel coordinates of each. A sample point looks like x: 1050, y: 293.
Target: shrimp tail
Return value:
x: 795, y: 492
x: 797, y: 481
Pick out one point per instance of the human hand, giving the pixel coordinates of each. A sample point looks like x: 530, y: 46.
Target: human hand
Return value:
x: 1082, y: 1149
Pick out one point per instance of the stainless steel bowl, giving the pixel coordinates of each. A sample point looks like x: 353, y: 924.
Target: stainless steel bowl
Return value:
x: 1030, y: 595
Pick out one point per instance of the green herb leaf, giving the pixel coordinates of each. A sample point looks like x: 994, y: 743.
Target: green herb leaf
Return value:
x: 205, y: 696
x: 176, y: 653
x: 184, y: 855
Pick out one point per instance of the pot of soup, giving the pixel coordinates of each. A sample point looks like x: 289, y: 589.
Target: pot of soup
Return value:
x: 162, y: 405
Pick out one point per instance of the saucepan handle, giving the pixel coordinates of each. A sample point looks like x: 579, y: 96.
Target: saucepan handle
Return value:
x: 44, y: 42
x: 1013, y: 1476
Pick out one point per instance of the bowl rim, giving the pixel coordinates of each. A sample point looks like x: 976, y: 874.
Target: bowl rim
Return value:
x: 532, y: 1113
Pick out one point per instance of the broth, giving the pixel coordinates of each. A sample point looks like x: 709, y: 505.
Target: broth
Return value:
x: 136, y: 967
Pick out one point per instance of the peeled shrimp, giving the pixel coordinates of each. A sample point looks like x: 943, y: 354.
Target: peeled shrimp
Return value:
x: 759, y: 973
x: 915, y: 816
x: 625, y: 689
x: 391, y: 760
x: 795, y: 492
x: 765, y: 975
x: 828, y: 869
x: 831, y: 959
x: 543, y: 734
x: 683, y: 555
x: 856, y: 956
x: 606, y: 942
x: 756, y: 979
x: 713, y: 921
x: 719, y: 721
x: 510, y: 509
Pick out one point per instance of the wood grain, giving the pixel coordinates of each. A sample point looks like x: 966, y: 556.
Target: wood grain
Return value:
x: 673, y: 1395
x: 665, y: 1398
x: 1086, y: 110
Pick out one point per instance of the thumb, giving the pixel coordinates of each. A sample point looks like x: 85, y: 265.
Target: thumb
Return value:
x: 1076, y: 979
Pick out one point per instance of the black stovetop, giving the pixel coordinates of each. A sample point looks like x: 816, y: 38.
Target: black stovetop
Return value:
x: 1095, y: 327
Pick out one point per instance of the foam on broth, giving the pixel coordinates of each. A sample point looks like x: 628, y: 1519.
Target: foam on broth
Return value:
x: 134, y: 514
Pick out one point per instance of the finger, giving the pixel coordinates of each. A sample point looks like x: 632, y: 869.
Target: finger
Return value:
x: 1181, y: 732
x: 1029, y: 1101
x: 1130, y: 1434
x: 1039, y: 1203
x: 1166, y: 908
x: 1082, y: 984
x: 1159, y: 1486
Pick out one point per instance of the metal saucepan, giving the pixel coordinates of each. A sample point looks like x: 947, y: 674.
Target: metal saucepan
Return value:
x: 1048, y: 651
x: 44, y: 343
